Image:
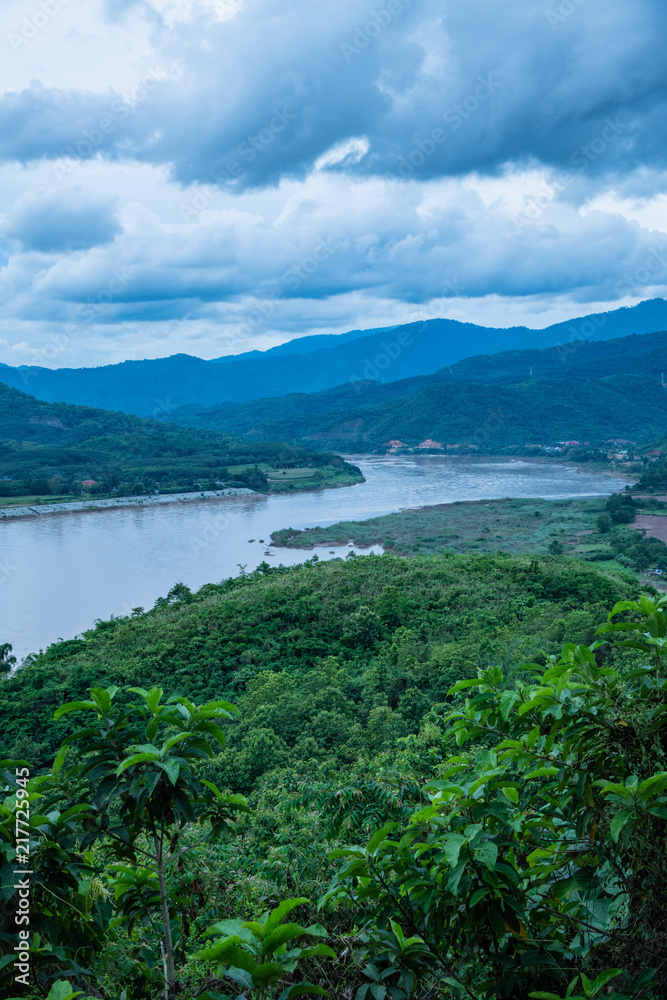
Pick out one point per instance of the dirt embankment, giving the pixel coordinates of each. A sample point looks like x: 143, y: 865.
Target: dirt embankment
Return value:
x: 655, y: 525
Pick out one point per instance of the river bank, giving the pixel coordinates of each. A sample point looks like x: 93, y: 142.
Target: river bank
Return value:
x: 77, y: 506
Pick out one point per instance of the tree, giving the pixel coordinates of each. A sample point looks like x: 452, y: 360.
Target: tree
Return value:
x: 604, y: 523
x: 538, y: 860
x: 57, y: 484
x: 622, y: 508
x: 6, y: 660
x: 139, y: 775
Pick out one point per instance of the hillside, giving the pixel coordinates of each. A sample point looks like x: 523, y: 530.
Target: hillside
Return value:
x: 266, y: 638
x: 348, y: 715
x: 49, y: 448
x: 644, y: 356
x: 156, y: 388
x: 490, y: 417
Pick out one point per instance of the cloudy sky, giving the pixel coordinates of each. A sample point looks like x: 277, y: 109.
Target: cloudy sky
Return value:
x: 213, y: 176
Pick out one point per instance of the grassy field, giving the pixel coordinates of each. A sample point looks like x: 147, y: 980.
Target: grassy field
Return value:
x: 35, y: 501
x: 514, y: 526
x: 307, y: 478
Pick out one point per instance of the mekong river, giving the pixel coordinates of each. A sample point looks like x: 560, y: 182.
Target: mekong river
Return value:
x: 60, y: 572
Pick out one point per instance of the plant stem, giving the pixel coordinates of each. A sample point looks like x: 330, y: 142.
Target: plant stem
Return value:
x: 164, y: 904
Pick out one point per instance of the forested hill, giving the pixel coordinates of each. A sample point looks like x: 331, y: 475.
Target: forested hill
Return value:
x: 402, y: 632
x: 286, y: 416
x: 156, y: 387
x: 51, y: 447
x: 490, y: 417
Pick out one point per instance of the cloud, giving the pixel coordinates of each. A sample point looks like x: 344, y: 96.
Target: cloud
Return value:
x: 58, y: 219
x: 325, y: 166
x: 334, y: 237
x: 448, y: 91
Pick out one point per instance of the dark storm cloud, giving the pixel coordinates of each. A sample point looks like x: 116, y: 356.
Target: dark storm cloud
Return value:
x: 435, y: 89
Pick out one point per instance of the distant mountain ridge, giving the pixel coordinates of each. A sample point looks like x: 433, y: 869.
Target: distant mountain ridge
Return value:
x: 159, y: 387
x: 584, y: 390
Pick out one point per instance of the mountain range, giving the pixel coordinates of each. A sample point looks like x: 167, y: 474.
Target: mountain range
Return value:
x: 158, y: 388
x: 588, y: 391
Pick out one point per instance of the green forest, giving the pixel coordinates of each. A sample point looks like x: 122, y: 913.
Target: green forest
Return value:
x: 49, y: 449
x: 378, y: 777
x: 583, y: 391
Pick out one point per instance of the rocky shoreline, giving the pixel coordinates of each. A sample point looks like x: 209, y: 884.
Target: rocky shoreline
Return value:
x: 143, y: 501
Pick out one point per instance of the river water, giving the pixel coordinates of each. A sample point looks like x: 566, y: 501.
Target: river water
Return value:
x: 60, y: 572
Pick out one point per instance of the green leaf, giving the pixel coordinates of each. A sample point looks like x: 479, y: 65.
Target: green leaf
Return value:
x: 478, y: 895
x: 174, y: 740
x: 137, y: 758
x: 275, y: 916
x: 511, y: 794
x: 453, y: 846
x: 62, y: 990
x: 461, y: 737
x: 653, y: 786
x: 541, y: 772
x: 279, y: 936
x: 269, y: 972
x: 301, y: 990
x: 228, y: 952
x: 507, y: 701
x: 487, y: 853
x: 618, y: 823
x: 214, y: 788
x: 172, y: 768
x: 455, y: 878
x: 604, y: 978
x: 317, y: 950
x: 74, y: 706
x: 153, y: 698
x: 614, y: 788
x: 380, y: 836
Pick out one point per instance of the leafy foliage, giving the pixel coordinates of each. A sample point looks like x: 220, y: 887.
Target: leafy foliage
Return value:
x: 539, y: 854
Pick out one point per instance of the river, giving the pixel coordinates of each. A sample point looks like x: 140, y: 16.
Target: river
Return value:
x: 60, y: 572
